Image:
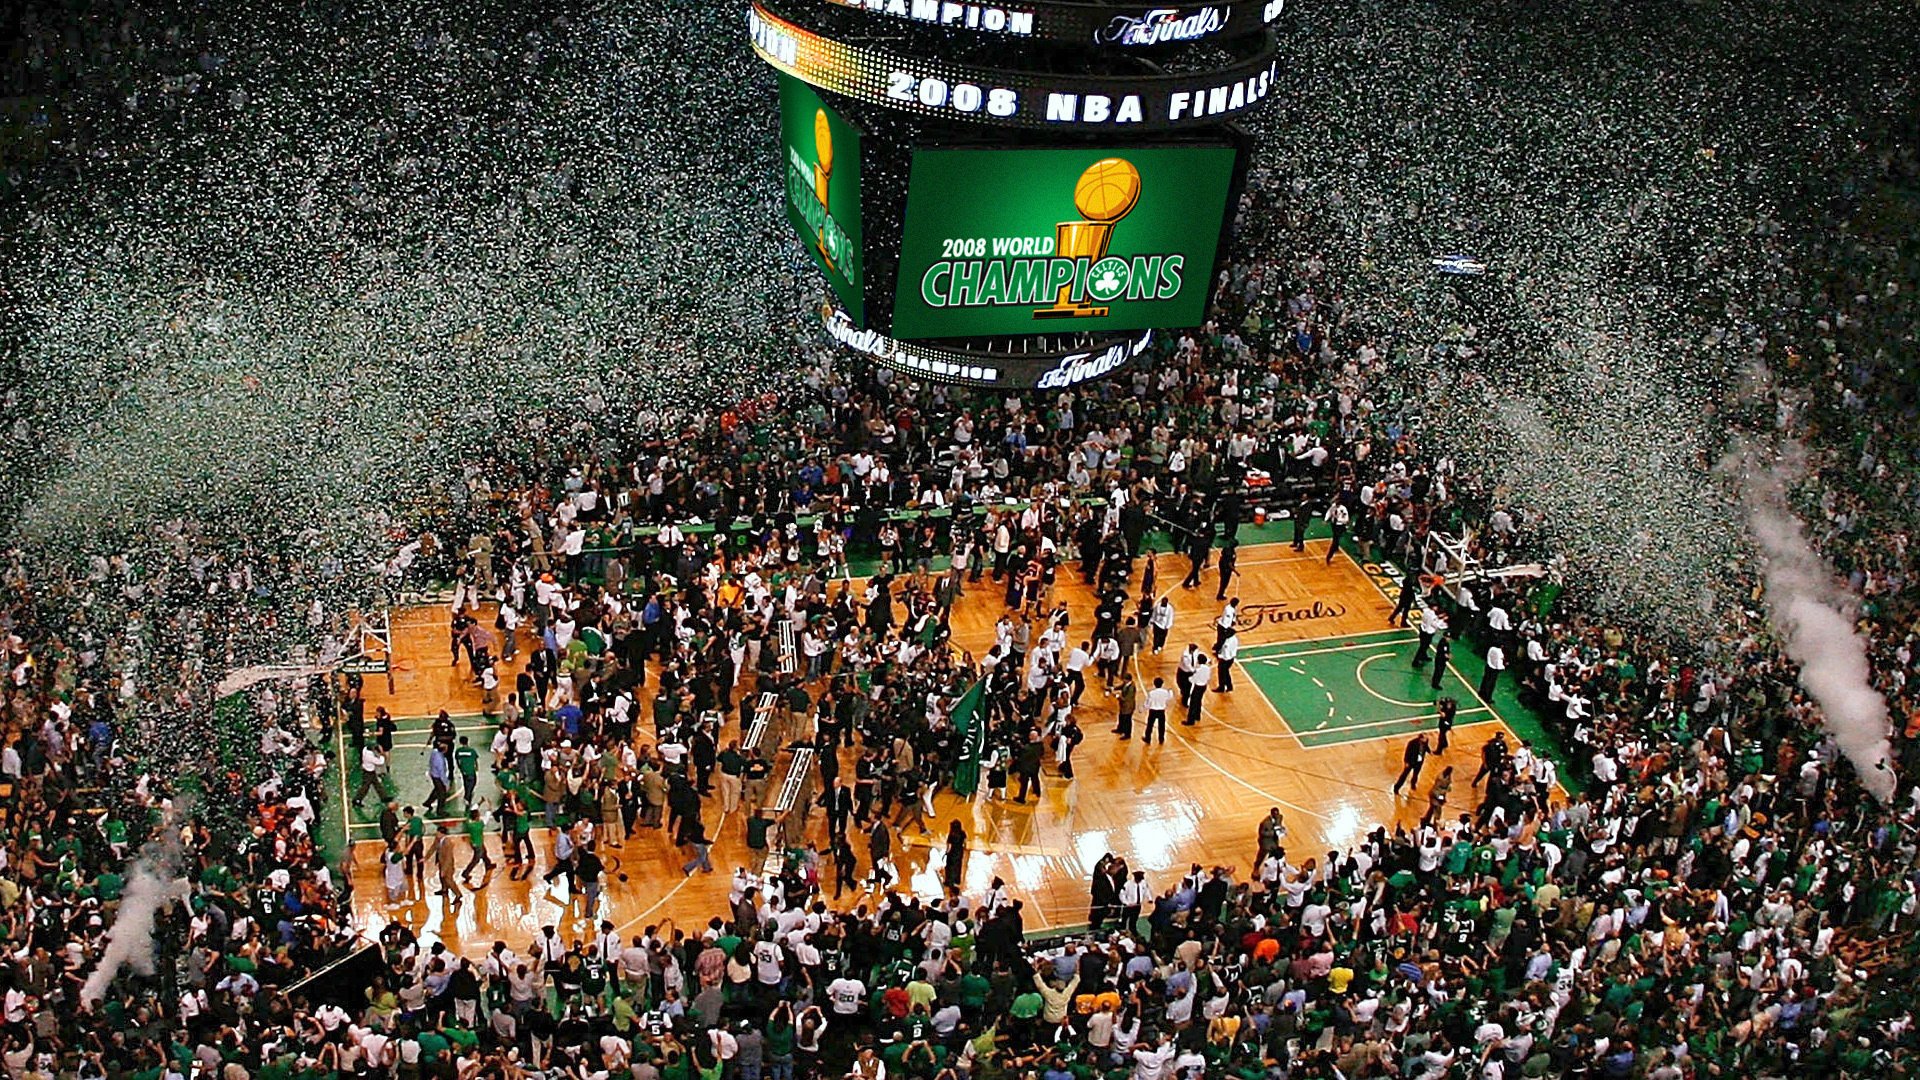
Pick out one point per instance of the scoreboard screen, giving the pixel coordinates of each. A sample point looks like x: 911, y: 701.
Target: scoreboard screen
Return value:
x: 1013, y: 241
x: 820, y: 157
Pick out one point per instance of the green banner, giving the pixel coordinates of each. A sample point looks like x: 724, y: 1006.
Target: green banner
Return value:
x: 820, y: 158
x: 1001, y: 242
x: 972, y: 730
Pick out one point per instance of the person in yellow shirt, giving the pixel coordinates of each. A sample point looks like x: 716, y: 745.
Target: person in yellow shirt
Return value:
x: 1056, y: 999
x: 1221, y: 1029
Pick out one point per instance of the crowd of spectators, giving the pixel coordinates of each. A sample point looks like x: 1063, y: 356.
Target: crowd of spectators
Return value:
x: 125, y: 796
x: 1716, y: 899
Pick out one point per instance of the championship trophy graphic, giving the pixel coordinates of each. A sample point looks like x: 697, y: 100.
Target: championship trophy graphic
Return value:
x: 1105, y: 193
x: 822, y: 174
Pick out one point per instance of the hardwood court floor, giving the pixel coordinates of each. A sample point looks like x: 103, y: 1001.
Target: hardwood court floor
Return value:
x: 1198, y: 798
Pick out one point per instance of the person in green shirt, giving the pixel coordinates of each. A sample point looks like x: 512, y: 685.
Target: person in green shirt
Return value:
x: 1509, y: 874
x: 985, y: 1044
x: 415, y: 846
x: 433, y: 1043
x: 115, y: 831
x: 779, y: 1032
x: 476, y: 830
x: 382, y: 1003
x: 467, y: 760
x: 733, y: 767
x: 1483, y: 860
x: 461, y: 1039
x: 974, y: 989
x: 280, y: 1067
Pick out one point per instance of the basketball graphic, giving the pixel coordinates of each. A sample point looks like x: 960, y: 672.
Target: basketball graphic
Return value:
x: 1105, y: 193
x: 1107, y: 190
x: 823, y: 140
x: 822, y: 182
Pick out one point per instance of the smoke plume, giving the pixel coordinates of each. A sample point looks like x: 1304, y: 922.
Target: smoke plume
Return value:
x: 153, y: 881
x: 1814, y: 616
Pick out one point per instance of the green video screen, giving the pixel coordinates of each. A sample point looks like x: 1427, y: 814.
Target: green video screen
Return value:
x: 1013, y: 242
x: 820, y: 155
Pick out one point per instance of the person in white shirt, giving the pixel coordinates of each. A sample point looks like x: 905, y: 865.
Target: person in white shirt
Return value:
x: 1106, y: 660
x: 373, y: 768
x: 1076, y: 667
x: 767, y: 959
x: 1436, y: 1061
x: 1151, y: 1063
x: 1100, y: 1028
x: 1268, y: 871
x: 1226, y: 653
x: 1162, y: 622
x: 1183, y: 671
x: 1523, y: 759
x: 1159, y: 700
x: 1496, y: 663
x: 1432, y: 625
x: 1134, y: 895
x: 1227, y: 623
x: 1197, y: 688
x: 1337, y: 518
x: 1545, y: 775
x: 847, y: 995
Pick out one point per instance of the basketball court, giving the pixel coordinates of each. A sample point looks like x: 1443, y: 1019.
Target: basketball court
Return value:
x: 1329, y: 691
x: 408, y: 774
x: 1323, y: 702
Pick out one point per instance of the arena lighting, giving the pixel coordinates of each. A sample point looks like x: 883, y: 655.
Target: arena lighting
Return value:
x: 1458, y: 264
x: 1012, y: 98
x: 1055, y: 370
x: 1116, y: 25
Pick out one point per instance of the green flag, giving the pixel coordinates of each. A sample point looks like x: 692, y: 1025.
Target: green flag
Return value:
x: 971, y: 727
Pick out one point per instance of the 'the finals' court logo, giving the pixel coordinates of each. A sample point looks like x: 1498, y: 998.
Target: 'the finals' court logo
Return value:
x: 1073, y: 266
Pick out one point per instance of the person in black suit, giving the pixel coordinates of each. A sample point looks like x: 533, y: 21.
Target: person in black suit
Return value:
x: 1106, y: 895
x: 1229, y: 554
x: 880, y: 608
x: 838, y: 801
x: 1409, y: 592
x: 543, y: 666
x: 1133, y: 526
x: 1443, y: 724
x: 1413, y: 759
x: 1199, y: 547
